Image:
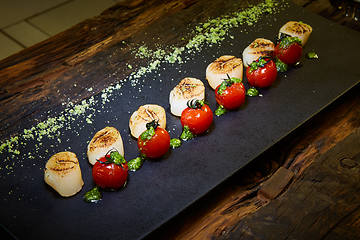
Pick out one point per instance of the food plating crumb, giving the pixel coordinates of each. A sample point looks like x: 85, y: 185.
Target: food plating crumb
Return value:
x: 211, y: 32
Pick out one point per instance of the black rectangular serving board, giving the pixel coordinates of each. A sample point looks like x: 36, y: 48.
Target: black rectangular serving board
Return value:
x: 163, y: 188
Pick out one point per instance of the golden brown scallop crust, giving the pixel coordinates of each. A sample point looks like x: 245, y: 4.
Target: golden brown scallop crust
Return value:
x: 104, y: 138
x: 262, y: 47
x: 62, y: 163
x: 189, y: 88
x: 146, y: 114
x: 298, y: 28
x: 225, y: 64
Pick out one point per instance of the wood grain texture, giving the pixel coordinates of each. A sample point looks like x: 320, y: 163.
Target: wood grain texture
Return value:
x: 43, y: 76
x: 315, y: 206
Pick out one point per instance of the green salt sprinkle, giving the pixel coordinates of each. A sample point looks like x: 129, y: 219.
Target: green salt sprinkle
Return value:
x: 206, y: 34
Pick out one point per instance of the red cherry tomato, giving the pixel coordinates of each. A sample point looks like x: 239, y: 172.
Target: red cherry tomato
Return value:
x: 262, y: 76
x: 289, y: 54
x: 157, y: 146
x: 197, y: 119
x: 232, y: 97
x: 109, y: 175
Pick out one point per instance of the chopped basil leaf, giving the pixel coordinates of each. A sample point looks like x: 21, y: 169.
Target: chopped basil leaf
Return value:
x: 186, y: 134
x: 280, y: 66
x: 286, y: 42
x: 312, y: 55
x: 281, y: 37
x: 227, y: 83
x: 220, y: 110
x: 135, y: 164
x: 117, y: 158
x: 222, y: 87
x: 235, y: 80
x: 175, y: 143
x: 147, y: 135
x: 258, y: 64
x: 93, y: 195
x: 252, y: 92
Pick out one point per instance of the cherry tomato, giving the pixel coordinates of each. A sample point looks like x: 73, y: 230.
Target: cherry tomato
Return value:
x: 109, y: 175
x: 198, y: 117
x: 230, y: 96
x: 261, y: 73
x: 156, y: 145
x: 289, y: 50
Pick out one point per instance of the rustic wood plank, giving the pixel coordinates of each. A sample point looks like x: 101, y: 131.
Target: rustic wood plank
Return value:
x: 29, y: 82
x: 271, y: 188
x: 44, y: 76
x: 328, y: 193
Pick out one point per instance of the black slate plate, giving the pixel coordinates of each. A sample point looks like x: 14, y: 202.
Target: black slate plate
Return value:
x: 162, y: 189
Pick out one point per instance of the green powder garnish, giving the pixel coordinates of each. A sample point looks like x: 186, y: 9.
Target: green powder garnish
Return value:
x: 214, y: 31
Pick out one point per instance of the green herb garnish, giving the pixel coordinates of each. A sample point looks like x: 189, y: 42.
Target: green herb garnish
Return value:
x: 186, y: 134
x: 175, y: 143
x: 286, y: 42
x: 312, y: 55
x: 227, y: 83
x: 252, y: 92
x: 280, y: 66
x: 147, y: 135
x: 135, y: 164
x: 117, y: 158
x: 93, y: 195
x: 150, y: 130
x: 259, y: 64
x: 220, y: 110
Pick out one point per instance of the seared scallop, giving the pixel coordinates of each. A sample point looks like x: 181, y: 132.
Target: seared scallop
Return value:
x: 146, y: 114
x: 296, y: 29
x: 187, y: 89
x: 260, y: 47
x: 217, y: 71
x: 105, y: 140
x: 63, y: 174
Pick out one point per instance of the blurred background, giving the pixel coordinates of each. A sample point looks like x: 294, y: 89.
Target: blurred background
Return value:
x: 24, y: 23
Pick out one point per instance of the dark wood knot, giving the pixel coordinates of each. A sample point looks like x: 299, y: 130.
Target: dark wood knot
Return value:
x: 348, y: 163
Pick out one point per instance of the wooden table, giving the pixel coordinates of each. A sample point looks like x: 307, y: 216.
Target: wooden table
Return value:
x: 306, y: 186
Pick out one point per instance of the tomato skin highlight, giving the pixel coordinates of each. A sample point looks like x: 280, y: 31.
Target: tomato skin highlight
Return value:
x: 157, y: 146
x: 290, y: 54
x: 197, y: 119
x: 263, y: 76
x: 109, y: 175
x: 232, y: 97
